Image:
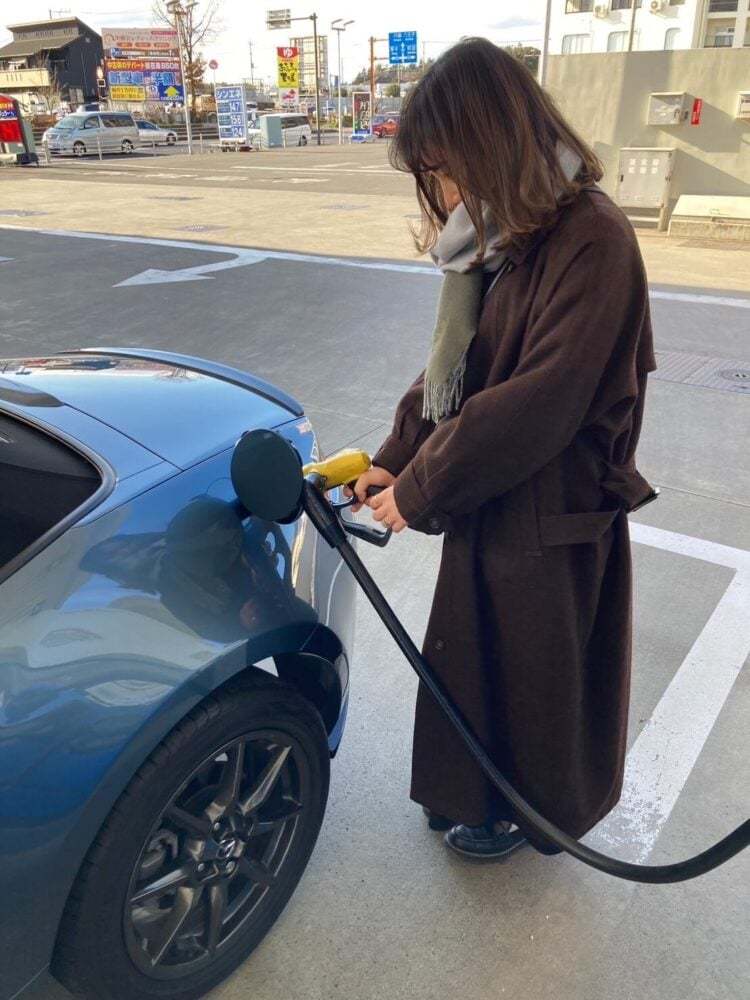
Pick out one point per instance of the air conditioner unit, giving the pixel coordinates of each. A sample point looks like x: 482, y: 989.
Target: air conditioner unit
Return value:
x: 743, y: 105
x: 657, y: 6
x: 601, y: 10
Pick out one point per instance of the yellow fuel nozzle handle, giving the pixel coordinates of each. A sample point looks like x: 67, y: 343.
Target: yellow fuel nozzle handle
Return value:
x: 339, y: 469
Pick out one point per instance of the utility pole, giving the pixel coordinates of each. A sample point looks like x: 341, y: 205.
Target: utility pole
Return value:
x: 176, y: 9
x: 314, y: 19
x: 252, y: 65
x: 338, y: 26
x: 631, y: 35
x: 544, y: 54
x: 372, y: 80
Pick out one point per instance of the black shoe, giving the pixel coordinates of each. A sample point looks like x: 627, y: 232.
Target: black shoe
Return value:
x: 435, y: 821
x: 492, y: 841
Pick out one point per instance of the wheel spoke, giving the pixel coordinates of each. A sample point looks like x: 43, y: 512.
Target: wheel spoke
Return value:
x: 167, y: 883
x: 256, y: 871
x: 288, y: 810
x: 217, y: 908
x: 196, y: 826
x: 231, y: 780
x: 267, y: 780
x: 159, y: 947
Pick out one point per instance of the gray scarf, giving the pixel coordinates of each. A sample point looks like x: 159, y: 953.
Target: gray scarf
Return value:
x: 456, y: 253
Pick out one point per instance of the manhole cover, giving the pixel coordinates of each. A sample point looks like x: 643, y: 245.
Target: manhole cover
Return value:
x: 200, y: 229
x: 174, y: 197
x: 736, y: 374
x: 19, y: 213
x: 348, y: 208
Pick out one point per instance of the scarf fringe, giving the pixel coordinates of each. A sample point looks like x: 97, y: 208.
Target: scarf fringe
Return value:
x: 442, y: 398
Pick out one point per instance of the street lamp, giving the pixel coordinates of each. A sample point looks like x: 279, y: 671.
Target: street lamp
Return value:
x: 282, y: 19
x: 338, y: 26
x: 179, y: 12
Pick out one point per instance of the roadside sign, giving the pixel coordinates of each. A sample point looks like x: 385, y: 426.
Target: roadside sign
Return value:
x: 171, y: 92
x: 213, y: 64
x: 10, y: 123
x: 362, y: 114
x: 279, y: 19
x: 402, y: 47
x: 142, y: 64
x: 287, y: 62
x: 231, y: 113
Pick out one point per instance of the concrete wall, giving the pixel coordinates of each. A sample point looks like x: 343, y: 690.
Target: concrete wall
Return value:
x: 605, y: 97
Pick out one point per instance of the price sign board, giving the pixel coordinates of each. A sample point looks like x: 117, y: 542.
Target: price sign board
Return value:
x: 231, y: 113
x: 362, y: 111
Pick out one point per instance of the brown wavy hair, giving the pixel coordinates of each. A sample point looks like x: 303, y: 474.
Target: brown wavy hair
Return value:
x: 479, y: 116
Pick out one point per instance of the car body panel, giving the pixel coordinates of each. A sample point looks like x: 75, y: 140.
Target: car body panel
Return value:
x: 121, y: 625
x: 152, y: 401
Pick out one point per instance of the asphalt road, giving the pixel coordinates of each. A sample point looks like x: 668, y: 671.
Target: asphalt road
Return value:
x: 383, y: 910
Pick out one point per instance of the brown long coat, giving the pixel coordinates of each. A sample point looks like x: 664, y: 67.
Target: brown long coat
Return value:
x: 530, y: 627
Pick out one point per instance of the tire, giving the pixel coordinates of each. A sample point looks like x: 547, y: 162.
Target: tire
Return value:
x: 79, y: 149
x: 127, y: 146
x: 114, y: 941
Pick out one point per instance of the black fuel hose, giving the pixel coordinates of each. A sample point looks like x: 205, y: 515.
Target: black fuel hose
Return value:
x: 324, y: 518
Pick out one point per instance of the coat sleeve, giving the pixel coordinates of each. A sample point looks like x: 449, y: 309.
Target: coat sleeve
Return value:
x: 507, y: 432
x: 410, y: 431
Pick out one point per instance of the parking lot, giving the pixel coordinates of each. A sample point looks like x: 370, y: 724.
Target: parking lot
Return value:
x: 297, y: 266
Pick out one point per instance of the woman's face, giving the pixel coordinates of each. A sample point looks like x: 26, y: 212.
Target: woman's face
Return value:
x: 449, y: 189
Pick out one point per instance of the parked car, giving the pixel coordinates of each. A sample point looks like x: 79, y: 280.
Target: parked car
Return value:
x: 295, y: 128
x: 386, y: 128
x: 152, y: 134
x: 173, y: 675
x: 90, y: 132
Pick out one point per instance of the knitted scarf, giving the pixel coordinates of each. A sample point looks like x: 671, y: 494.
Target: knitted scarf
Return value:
x: 456, y: 253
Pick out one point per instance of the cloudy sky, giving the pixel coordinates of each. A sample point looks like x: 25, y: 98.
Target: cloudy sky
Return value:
x: 243, y: 21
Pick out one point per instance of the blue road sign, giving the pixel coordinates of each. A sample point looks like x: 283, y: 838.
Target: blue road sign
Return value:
x: 402, y: 47
x: 170, y: 91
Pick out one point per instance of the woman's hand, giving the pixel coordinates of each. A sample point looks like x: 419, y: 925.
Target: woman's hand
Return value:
x: 386, y: 511
x: 373, y: 477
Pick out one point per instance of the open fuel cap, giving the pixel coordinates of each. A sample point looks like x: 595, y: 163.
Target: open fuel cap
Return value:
x: 267, y: 476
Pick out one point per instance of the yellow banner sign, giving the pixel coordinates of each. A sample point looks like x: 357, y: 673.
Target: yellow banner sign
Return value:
x: 120, y: 93
x: 288, y: 67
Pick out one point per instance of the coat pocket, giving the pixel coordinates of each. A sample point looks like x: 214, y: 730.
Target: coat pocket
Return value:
x: 575, y: 529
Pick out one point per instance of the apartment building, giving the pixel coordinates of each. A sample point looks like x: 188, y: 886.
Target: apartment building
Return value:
x: 604, y: 25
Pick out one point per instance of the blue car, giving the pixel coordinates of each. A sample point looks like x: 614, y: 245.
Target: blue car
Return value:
x: 173, y: 676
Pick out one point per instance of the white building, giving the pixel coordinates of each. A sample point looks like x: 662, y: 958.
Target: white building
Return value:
x: 604, y: 25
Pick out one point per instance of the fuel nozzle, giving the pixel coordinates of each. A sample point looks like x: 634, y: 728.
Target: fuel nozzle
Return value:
x: 340, y: 469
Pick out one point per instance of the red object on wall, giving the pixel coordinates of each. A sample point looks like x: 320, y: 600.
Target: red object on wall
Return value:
x: 697, y: 109
x: 10, y: 121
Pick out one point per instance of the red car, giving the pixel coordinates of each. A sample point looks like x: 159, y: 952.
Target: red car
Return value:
x: 385, y: 128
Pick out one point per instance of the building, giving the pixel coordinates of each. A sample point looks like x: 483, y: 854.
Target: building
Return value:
x: 306, y: 48
x: 603, y: 25
x: 49, y: 62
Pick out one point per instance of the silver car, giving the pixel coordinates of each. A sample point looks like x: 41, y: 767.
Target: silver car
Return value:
x: 93, y: 132
x: 155, y: 134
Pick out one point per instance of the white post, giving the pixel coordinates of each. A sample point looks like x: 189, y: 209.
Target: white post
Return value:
x: 544, y: 54
x: 99, y: 145
x: 179, y: 13
x: 341, y: 129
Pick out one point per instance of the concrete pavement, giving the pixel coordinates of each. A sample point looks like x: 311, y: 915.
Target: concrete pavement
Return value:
x: 384, y: 911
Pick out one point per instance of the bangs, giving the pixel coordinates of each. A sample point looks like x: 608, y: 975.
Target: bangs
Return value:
x: 417, y: 147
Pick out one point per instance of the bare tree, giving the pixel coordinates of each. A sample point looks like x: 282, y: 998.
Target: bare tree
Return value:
x: 200, y: 24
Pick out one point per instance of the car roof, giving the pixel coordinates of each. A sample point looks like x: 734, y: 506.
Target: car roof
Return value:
x: 181, y: 409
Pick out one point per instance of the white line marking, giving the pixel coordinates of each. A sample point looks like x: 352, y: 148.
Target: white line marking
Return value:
x: 333, y: 261
x: 3, y: 259
x: 202, y: 272
x: 709, y: 300
x: 666, y: 750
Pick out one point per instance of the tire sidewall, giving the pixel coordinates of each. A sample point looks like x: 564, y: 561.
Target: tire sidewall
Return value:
x: 100, y: 931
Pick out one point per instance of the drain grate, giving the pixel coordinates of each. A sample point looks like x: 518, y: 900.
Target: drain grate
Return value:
x: 348, y: 208
x: 704, y: 372
x: 200, y: 229
x: 19, y: 213
x: 175, y: 197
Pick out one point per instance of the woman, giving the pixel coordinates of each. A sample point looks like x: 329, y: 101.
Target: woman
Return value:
x: 517, y: 443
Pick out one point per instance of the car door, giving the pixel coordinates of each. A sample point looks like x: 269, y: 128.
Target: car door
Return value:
x: 110, y: 132
x: 92, y: 134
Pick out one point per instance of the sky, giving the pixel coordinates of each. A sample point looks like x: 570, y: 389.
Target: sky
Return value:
x: 503, y: 21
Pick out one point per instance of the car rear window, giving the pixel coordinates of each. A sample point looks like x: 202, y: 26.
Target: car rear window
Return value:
x: 43, y: 480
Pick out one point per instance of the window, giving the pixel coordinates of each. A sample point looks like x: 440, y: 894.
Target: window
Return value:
x: 92, y: 122
x: 578, y: 6
x: 573, y: 44
x: 43, y: 481
x: 723, y: 38
x: 671, y: 37
x: 617, y: 41
x: 720, y: 6
x: 625, y: 4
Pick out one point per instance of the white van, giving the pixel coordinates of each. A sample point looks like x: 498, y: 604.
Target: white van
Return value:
x: 295, y: 129
x: 90, y: 131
